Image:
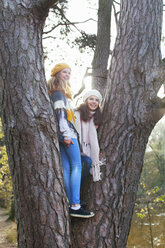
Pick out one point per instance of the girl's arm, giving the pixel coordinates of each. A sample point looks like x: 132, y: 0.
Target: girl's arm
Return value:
x: 63, y: 125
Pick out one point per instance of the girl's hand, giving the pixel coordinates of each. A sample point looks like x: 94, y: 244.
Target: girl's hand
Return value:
x: 68, y: 142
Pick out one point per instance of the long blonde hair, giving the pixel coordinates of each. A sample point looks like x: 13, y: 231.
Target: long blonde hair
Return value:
x: 55, y: 84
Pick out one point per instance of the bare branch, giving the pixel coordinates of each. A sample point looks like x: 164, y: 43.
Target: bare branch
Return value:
x: 48, y: 37
x: 69, y: 23
x: 90, y: 19
x: 115, y: 14
x: 67, y: 20
x: 116, y: 2
x: 54, y: 27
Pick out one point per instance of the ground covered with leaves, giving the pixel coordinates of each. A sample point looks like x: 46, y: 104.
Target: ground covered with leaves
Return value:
x: 8, y: 231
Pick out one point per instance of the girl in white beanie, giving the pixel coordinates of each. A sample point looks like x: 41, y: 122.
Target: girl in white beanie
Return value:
x: 87, y: 120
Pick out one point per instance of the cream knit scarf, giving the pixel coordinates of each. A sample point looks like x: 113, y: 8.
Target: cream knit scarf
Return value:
x: 90, y: 146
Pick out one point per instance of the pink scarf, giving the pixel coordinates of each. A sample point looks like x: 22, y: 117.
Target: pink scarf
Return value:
x: 90, y: 146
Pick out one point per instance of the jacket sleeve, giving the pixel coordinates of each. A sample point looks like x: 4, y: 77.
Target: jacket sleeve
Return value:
x: 63, y: 125
x: 78, y: 123
x: 60, y: 110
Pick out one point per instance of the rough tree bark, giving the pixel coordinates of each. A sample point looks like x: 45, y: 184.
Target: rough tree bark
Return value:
x: 131, y: 110
x: 30, y: 130
x: 129, y: 113
x: 101, y: 54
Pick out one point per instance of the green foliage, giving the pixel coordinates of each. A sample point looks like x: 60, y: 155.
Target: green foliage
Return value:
x: 143, y: 213
x: 160, y: 200
x: 151, y: 191
x: 86, y: 40
x: 153, y: 174
x: 6, y: 191
x: 151, y: 200
x: 11, y: 235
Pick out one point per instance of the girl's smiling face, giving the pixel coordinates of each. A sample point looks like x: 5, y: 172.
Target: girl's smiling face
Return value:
x: 65, y: 74
x: 92, y: 103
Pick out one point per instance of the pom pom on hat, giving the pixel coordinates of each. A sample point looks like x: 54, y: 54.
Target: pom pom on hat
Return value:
x: 59, y: 67
x: 92, y: 93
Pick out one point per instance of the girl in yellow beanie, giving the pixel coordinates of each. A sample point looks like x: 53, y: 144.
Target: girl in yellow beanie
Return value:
x: 59, y: 92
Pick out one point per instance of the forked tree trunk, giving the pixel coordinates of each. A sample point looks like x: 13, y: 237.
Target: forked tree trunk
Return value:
x: 134, y: 78
x: 30, y: 130
x: 129, y: 116
x: 101, y: 54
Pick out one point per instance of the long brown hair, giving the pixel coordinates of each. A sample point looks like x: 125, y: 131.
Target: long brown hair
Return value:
x: 85, y: 113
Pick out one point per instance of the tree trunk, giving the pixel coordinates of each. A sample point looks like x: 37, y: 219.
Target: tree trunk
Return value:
x: 101, y: 54
x: 129, y: 115
x: 30, y: 130
x: 135, y: 75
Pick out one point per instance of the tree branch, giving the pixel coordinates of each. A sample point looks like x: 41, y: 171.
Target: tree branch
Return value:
x: 68, y: 23
x: 158, y: 108
x: 156, y: 76
x: 115, y: 14
x: 46, y: 3
x: 49, y: 37
x: 116, y: 2
x: 67, y: 20
x: 54, y: 27
x: 40, y: 8
x: 158, y: 103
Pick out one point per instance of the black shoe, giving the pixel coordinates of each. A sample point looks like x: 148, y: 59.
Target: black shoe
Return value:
x: 81, y: 213
x: 83, y: 204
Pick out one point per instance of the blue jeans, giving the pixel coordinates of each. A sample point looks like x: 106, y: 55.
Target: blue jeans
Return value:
x: 86, y: 165
x: 71, y: 164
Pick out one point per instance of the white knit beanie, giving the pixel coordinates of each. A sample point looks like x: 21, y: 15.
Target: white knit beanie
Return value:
x: 92, y: 93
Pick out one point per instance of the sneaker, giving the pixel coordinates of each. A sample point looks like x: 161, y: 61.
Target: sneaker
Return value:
x: 83, y: 204
x: 81, y: 213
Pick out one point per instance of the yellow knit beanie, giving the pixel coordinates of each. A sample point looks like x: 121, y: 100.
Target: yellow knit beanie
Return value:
x: 59, y: 67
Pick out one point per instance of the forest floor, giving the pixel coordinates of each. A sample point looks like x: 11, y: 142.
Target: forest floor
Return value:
x: 7, y: 231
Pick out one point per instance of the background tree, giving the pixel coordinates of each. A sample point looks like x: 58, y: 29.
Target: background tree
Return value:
x: 102, y: 49
x: 155, y: 159
x: 97, y: 45
x: 6, y: 190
